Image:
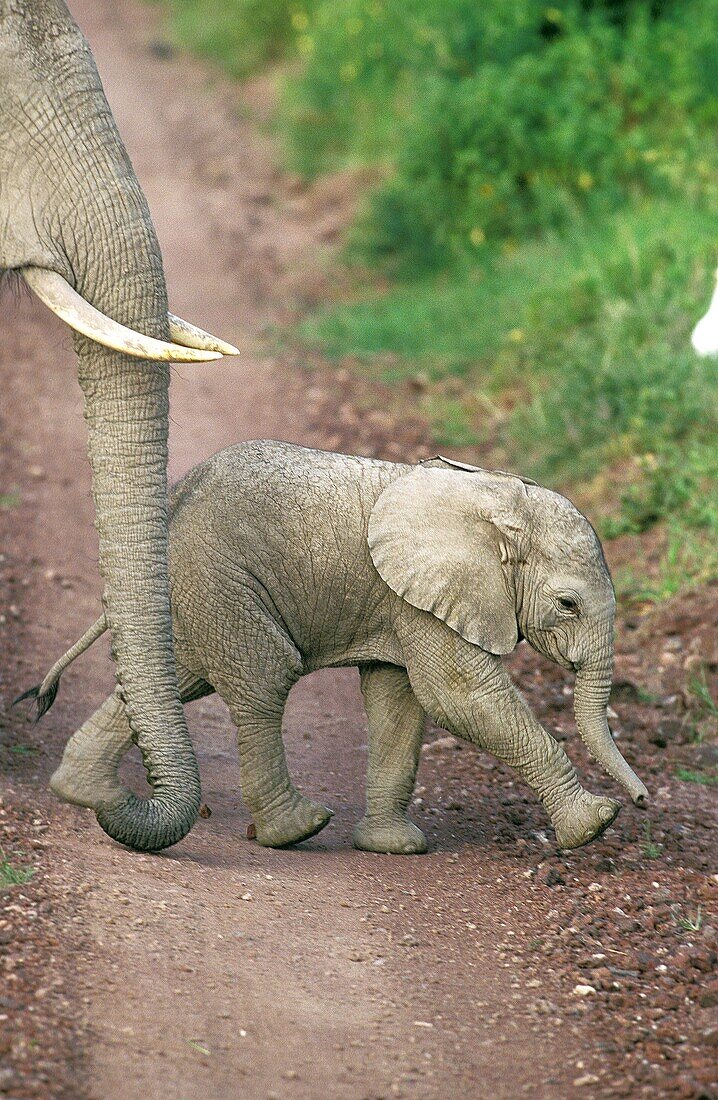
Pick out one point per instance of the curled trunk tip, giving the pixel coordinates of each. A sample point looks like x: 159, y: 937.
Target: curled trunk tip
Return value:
x: 591, y: 696
x: 149, y: 824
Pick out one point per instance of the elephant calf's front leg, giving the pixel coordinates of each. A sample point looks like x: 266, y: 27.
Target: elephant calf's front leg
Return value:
x: 471, y: 694
x: 396, y: 730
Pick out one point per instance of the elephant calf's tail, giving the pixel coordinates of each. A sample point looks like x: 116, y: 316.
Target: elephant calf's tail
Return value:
x: 44, y: 694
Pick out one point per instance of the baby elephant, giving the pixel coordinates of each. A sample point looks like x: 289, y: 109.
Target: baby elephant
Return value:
x: 285, y: 560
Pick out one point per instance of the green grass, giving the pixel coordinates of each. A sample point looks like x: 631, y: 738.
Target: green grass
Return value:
x: 704, y: 709
x: 690, y: 775
x: 492, y: 122
x: 691, y: 924
x: 10, y: 500
x: 650, y: 849
x: 699, y: 689
x: 11, y: 875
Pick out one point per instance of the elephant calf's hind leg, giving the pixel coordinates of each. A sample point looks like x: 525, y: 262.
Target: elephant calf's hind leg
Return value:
x: 87, y: 775
x: 281, y: 815
x: 396, y: 730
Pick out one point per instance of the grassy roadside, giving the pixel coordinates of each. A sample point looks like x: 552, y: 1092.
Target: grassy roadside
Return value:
x: 548, y: 205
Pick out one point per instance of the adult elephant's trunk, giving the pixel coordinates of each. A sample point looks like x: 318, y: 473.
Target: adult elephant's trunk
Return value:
x: 591, y: 695
x: 126, y: 410
x: 126, y: 407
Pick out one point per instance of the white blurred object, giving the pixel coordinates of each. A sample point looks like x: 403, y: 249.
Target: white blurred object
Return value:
x: 705, y: 334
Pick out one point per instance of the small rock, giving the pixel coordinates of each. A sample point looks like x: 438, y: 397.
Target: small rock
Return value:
x: 587, y: 1079
x: 703, y: 960
x: 705, y: 755
x: 8, y: 1078
x: 550, y: 876
x: 440, y: 745
x: 673, y: 730
x: 710, y: 1037
x: 584, y: 990
x: 163, y: 51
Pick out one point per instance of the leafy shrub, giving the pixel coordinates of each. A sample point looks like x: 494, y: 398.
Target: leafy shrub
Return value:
x: 495, y: 121
x: 242, y: 35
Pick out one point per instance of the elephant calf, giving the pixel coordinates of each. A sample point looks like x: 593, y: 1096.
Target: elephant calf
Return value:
x: 285, y: 560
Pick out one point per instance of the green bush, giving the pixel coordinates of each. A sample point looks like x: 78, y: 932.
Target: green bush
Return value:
x: 241, y: 35
x: 495, y: 121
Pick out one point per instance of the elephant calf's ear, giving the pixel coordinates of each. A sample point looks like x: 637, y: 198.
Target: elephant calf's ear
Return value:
x: 431, y: 542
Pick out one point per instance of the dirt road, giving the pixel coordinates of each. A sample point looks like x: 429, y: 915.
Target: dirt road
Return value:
x: 220, y: 969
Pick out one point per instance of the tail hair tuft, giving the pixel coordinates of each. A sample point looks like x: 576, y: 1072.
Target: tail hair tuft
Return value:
x: 43, y: 701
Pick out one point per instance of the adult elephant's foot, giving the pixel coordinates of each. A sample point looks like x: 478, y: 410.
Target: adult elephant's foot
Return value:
x: 291, y: 823
x: 584, y: 819
x: 399, y: 837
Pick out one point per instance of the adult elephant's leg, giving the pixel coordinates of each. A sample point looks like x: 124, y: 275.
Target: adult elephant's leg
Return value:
x: 396, y: 729
x: 87, y: 774
x: 256, y: 694
x: 470, y: 693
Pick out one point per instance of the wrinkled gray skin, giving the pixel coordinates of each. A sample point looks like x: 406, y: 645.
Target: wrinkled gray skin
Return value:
x: 70, y: 203
x: 285, y: 560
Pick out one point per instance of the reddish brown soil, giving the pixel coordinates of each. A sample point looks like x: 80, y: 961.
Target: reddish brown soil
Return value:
x: 223, y: 969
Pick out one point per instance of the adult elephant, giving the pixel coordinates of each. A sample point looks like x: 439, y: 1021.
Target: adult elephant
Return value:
x: 75, y: 224
x: 705, y: 334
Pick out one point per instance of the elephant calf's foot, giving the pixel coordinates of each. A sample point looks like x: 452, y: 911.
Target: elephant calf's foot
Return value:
x: 584, y: 819
x: 399, y: 837
x: 293, y: 822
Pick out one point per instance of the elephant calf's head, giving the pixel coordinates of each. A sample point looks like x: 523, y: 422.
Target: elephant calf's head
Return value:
x: 496, y: 558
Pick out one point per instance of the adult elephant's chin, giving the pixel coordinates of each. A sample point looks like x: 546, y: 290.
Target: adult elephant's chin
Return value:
x: 591, y: 695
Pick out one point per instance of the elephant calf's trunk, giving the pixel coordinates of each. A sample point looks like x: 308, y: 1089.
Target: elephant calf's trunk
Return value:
x: 591, y: 695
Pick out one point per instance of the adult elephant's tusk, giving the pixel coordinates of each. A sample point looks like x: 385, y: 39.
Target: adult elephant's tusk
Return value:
x: 705, y: 334
x: 70, y: 307
x: 182, y: 332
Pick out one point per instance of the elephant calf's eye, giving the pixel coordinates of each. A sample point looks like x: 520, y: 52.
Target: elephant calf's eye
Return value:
x: 568, y: 604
